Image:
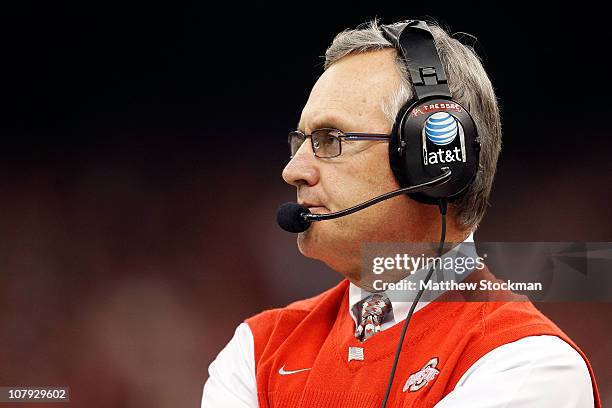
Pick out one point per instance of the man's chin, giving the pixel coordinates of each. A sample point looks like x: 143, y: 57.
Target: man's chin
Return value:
x: 307, y: 245
x: 312, y: 246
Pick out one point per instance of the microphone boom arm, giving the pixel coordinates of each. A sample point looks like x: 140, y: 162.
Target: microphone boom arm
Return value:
x: 441, y: 179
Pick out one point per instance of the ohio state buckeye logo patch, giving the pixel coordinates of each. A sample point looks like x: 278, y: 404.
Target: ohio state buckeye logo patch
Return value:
x: 421, y: 378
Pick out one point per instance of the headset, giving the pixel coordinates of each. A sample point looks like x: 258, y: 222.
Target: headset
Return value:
x: 431, y: 131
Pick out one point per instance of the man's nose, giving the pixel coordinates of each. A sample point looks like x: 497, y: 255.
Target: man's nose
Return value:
x: 302, y: 169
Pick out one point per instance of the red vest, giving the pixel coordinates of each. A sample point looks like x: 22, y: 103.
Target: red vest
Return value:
x: 316, y: 333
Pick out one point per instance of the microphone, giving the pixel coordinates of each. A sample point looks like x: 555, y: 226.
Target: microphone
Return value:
x: 290, y: 217
x: 293, y: 217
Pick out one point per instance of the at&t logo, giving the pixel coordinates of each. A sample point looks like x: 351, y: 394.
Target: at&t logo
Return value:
x: 441, y: 129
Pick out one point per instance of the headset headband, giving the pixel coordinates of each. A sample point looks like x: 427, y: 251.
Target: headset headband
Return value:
x: 414, y: 41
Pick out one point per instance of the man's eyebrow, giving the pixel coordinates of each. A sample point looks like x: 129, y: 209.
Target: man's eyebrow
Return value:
x: 326, y: 121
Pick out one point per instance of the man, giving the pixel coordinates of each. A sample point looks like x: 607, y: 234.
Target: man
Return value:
x: 333, y: 350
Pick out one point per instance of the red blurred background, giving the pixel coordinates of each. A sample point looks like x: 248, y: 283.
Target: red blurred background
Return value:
x: 140, y: 176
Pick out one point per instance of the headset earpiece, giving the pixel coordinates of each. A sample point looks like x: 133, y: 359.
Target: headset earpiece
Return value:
x: 429, y: 136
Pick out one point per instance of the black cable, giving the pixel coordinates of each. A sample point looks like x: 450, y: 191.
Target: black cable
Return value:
x: 443, y: 205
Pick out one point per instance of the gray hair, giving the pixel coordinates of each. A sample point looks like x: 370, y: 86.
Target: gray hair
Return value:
x: 469, y: 85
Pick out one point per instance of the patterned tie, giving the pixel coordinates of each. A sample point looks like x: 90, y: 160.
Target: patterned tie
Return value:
x: 374, y: 309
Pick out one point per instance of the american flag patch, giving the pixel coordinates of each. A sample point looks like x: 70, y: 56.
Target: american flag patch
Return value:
x: 355, y: 353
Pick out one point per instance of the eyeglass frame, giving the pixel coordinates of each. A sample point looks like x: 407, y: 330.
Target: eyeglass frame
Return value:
x: 344, y: 135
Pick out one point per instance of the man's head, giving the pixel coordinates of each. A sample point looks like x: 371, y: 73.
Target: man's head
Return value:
x: 363, y: 87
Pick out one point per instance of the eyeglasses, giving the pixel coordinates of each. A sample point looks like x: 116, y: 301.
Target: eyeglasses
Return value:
x: 327, y: 142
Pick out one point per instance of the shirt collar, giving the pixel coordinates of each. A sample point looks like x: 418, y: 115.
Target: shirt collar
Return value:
x: 399, y: 309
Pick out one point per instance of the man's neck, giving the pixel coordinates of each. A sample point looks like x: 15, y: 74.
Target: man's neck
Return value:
x: 364, y: 279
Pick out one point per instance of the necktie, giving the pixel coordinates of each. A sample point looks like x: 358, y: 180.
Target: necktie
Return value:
x: 373, y: 310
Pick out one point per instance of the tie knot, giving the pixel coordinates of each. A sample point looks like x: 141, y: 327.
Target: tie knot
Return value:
x: 374, y: 308
x: 375, y: 305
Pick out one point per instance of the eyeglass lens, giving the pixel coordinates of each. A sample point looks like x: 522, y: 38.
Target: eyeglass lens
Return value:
x: 325, y: 142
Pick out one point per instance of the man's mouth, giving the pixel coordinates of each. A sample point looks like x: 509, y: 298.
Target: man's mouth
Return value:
x: 318, y: 209
x: 315, y: 208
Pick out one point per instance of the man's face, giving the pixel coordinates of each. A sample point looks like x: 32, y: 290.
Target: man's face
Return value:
x: 348, y: 96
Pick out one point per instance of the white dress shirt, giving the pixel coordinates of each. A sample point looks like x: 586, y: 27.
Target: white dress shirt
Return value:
x: 535, y: 371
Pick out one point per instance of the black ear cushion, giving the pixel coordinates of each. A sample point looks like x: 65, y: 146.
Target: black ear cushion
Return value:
x: 429, y: 136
